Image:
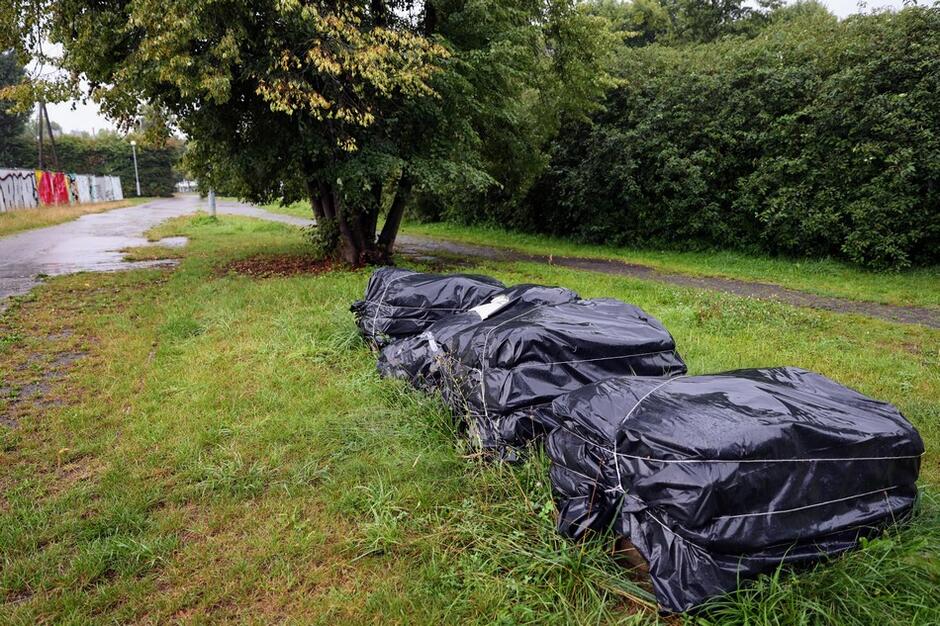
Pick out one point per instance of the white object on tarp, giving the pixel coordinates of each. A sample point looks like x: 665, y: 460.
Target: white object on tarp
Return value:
x: 488, y: 308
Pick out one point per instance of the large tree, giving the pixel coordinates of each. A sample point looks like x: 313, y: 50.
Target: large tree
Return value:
x: 358, y: 106
x: 12, y: 122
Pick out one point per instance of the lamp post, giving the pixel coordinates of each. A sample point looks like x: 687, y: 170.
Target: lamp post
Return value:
x: 136, y: 175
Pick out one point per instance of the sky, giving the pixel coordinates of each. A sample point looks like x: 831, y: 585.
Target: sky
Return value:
x: 87, y: 117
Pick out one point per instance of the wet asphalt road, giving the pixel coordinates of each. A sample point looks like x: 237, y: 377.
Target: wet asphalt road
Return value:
x: 93, y: 243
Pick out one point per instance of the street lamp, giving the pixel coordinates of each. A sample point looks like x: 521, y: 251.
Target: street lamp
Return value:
x: 136, y: 175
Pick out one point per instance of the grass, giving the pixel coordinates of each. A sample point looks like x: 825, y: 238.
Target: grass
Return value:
x: 223, y: 450
x: 825, y: 277
x: 26, y: 219
x: 297, y: 209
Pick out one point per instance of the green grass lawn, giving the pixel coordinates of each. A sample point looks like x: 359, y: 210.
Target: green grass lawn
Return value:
x: 920, y: 287
x: 297, y: 209
x: 222, y: 449
x: 825, y: 277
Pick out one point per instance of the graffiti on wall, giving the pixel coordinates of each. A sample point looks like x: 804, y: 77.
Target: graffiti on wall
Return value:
x: 17, y: 189
x: 26, y: 189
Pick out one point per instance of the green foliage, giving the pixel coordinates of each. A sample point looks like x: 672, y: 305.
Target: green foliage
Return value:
x: 12, y: 123
x: 640, y: 22
x: 110, y: 154
x: 708, y: 20
x: 321, y: 237
x: 816, y: 137
x: 520, y: 99
x: 350, y: 105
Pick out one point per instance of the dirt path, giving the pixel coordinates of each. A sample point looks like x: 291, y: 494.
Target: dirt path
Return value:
x: 893, y: 313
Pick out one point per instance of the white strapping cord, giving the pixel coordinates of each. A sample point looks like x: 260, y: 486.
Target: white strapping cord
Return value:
x: 640, y: 401
x: 418, y: 308
x: 740, y: 557
x: 809, y: 506
x: 686, y: 540
x: 610, y: 358
x: 486, y: 339
x: 791, y: 460
x: 613, y: 443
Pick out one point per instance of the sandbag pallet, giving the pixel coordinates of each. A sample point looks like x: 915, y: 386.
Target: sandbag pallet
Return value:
x: 501, y: 373
x: 498, y: 363
x: 713, y: 479
x: 401, y: 303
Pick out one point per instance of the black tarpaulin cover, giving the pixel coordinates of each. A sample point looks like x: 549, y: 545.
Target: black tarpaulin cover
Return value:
x: 401, y: 303
x: 502, y: 370
x: 721, y: 477
x: 419, y: 359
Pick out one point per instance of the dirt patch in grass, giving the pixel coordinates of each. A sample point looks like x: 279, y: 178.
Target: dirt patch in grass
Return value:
x: 271, y: 266
x: 32, y: 389
x: 422, y: 247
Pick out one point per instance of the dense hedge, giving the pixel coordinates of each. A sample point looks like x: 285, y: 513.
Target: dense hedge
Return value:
x: 110, y: 155
x: 816, y: 137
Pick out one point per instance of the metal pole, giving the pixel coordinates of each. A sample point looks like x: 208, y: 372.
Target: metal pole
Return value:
x: 55, y: 158
x: 39, y: 124
x: 212, y: 202
x: 136, y: 175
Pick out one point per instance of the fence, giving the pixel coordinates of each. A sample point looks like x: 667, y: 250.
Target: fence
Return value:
x: 26, y: 189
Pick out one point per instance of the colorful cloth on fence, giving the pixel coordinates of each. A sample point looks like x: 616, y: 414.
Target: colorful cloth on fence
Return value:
x: 44, y: 187
x: 60, y: 189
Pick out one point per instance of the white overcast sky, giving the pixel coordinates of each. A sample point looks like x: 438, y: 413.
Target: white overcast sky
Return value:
x: 78, y: 116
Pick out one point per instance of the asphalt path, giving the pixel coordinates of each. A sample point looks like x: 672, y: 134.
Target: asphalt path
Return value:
x: 93, y: 243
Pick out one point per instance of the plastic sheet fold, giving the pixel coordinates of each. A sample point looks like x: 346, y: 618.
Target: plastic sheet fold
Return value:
x: 401, y: 303
x: 420, y: 359
x: 715, y: 479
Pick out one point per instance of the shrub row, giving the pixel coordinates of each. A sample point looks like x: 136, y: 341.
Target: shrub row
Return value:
x: 817, y: 137
x: 109, y: 156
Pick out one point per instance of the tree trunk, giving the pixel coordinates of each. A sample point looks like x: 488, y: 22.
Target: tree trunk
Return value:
x: 357, y: 243
x: 386, y: 241
x: 351, y: 243
x: 430, y: 18
x: 316, y: 202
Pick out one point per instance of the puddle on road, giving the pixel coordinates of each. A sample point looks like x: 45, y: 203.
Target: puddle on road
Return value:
x: 82, y: 254
x: 172, y: 242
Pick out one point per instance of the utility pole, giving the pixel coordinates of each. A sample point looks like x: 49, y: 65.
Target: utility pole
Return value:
x: 55, y: 157
x: 39, y: 137
x: 136, y: 175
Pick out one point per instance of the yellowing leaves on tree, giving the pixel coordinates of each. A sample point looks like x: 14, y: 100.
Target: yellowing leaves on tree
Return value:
x: 403, y: 101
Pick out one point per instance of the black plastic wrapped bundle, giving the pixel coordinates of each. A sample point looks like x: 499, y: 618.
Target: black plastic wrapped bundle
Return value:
x: 401, y: 303
x: 500, y: 372
x: 419, y: 359
x: 719, y: 478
